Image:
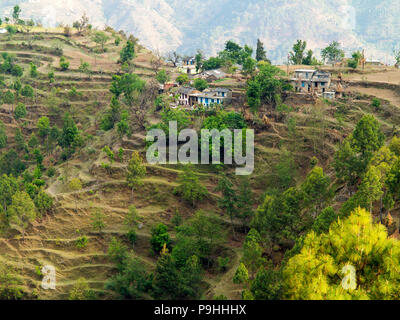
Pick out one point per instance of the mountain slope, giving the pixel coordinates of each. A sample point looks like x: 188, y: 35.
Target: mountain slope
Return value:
x: 166, y: 25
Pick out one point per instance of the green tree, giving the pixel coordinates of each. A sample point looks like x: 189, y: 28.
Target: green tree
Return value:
x: 228, y: 200
x: 22, y: 211
x: 189, y: 186
x: 3, y: 135
x: 128, y: 52
x: 261, y: 55
x: 241, y: 274
x: 245, y: 201
x: 200, y: 84
x: 346, y: 163
x: 201, y: 235
x: 252, y: 252
x: 43, y: 126
x: 249, y: 66
x: 15, y: 14
x: 367, y: 137
x: 333, y: 53
x: 160, y: 238
x: 8, y: 187
x: 297, y: 55
x: 64, y: 63
x: 162, y: 76
x: 136, y: 171
x: 324, y: 220
x: 265, y: 87
x: 182, y: 78
x: 317, y: 271
x: 267, y: 285
x: 316, y: 188
x: 98, y: 220
x: 20, y: 111
x: 69, y: 132
x: 101, y: 39
x: 371, y: 186
x: 33, y: 70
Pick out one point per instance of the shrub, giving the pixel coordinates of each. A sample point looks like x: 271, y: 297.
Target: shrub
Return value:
x: 82, y: 242
x: 64, y: 63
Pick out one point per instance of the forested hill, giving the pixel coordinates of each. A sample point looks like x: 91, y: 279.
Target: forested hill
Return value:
x: 206, y: 24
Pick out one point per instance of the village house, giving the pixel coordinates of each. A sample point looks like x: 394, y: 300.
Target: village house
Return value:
x: 184, y: 95
x: 188, y: 66
x: 308, y: 80
x: 210, y: 96
x: 190, y: 97
x: 212, y: 75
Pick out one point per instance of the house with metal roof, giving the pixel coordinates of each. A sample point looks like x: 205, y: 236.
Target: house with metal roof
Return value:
x: 308, y: 80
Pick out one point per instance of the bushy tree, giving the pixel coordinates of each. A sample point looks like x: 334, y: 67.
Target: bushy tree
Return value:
x: 160, y: 238
x: 189, y: 186
x: 317, y: 271
x: 136, y: 171
x: 128, y: 52
x: 22, y: 211
x: 333, y: 53
x: 200, y: 84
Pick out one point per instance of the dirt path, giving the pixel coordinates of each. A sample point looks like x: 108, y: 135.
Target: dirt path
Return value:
x: 385, y: 94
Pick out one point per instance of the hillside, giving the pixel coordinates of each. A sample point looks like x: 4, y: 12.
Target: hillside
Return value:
x: 284, y: 150
x: 206, y: 25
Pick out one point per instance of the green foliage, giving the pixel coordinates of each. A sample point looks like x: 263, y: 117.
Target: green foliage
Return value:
x: 267, y: 285
x: 189, y: 186
x: 132, y: 281
x: 43, y: 126
x: 324, y: 220
x: 3, y: 135
x: 100, y: 38
x: 159, y: 238
x: 200, y: 84
x: 128, y: 52
x: 81, y: 291
x: 316, y: 188
x: 297, y: 56
x: 27, y: 91
x: 265, y: 86
x: 182, y: 78
x: 82, y: 242
x: 112, y: 115
x: 200, y: 235
x: 22, y: 211
x: 333, y: 53
x: 171, y: 282
x: 162, y: 76
x: 261, y: 55
x: 212, y: 63
x: 136, y: 171
x: 117, y: 252
x: 20, y: 111
x: 376, y: 103
x: 33, y: 70
x: 316, y: 273
x: 98, y: 220
x: 241, y: 274
x: 64, y: 63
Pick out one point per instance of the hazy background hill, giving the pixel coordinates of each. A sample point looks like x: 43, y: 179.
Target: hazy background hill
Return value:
x: 188, y: 25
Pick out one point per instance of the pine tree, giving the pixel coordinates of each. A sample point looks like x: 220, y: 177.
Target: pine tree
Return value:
x: 261, y: 55
x: 317, y: 271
